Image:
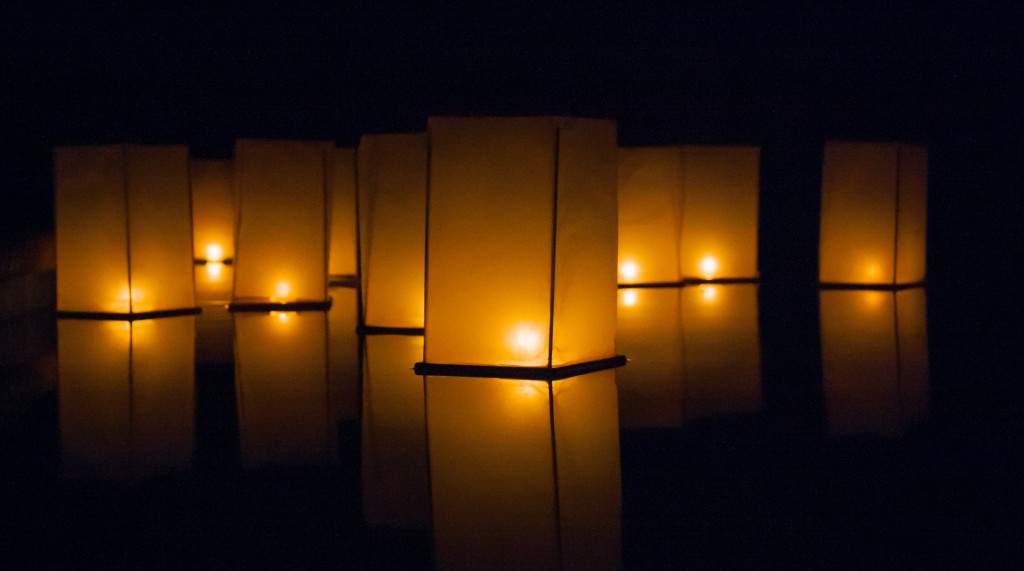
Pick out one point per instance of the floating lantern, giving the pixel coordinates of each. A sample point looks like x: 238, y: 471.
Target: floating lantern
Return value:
x: 688, y: 213
x: 342, y: 266
x: 873, y: 214
x: 344, y: 363
x: 213, y: 211
x: 874, y: 347
x: 124, y: 236
x: 396, y: 473
x: 281, y: 251
x: 126, y: 396
x: 284, y: 416
x: 521, y: 285
x: 392, y: 226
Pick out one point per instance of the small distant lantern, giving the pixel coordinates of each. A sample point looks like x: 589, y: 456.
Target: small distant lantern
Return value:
x: 284, y: 417
x: 688, y: 214
x: 126, y: 396
x: 281, y: 250
x: 520, y: 290
x: 342, y: 266
x: 392, y: 226
x: 874, y: 347
x: 873, y: 214
x: 124, y: 234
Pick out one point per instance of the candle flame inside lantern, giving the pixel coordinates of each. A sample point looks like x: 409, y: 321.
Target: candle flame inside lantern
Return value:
x: 629, y: 270
x: 708, y: 267
x: 527, y: 343
x: 282, y: 290
x: 214, y: 253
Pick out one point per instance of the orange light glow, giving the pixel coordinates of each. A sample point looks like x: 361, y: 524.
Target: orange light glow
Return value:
x: 282, y: 316
x: 873, y: 299
x: 214, y: 253
x: 527, y: 343
x: 708, y: 293
x: 282, y: 290
x: 630, y: 297
x: 629, y: 271
x: 214, y: 270
x: 708, y: 267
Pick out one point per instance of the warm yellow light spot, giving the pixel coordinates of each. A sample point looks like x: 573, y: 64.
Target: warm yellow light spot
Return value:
x: 282, y: 316
x: 282, y: 290
x: 214, y: 253
x: 873, y: 299
x: 708, y: 293
x: 630, y: 297
x: 629, y: 271
x: 214, y: 270
x: 528, y: 389
x: 708, y: 267
x: 527, y: 342
x: 873, y: 272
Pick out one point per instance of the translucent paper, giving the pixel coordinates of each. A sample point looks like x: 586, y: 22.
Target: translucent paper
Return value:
x: 343, y: 355
x: 504, y: 271
x: 124, y: 236
x: 396, y: 472
x: 873, y: 213
x: 650, y: 214
x: 392, y: 221
x: 493, y: 455
x: 343, y: 250
x: 284, y: 414
x: 282, y: 223
x: 874, y: 347
x: 126, y: 396
x: 213, y: 282
x: 213, y: 210
x: 720, y: 207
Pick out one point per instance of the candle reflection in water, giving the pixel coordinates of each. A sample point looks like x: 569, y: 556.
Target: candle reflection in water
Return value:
x: 694, y: 353
x: 535, y: 494
x: 396, y: 476
x: 126, y: 396
x: 284, y: 417
x: 874, y: 346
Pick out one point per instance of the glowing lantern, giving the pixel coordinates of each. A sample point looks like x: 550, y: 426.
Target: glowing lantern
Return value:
x: 873, y: 214
x: 126, y: 396
x: 281, y: 251
x: 213, y: 211
x: 688, y: 213
x: 392, y: 226
x: 396, y: 474
x: 342, y: 267
x: 343, y: 361
x: 874, y: 347
x: 124, y: 236
x: 284, y: 416
x: 521, y: 285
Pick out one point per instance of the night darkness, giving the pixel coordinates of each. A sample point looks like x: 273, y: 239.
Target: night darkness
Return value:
x: 786, y: 80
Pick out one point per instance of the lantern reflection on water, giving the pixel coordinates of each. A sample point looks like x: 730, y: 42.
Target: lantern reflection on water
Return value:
x: 342, y: 265
x: 694, y: 352
x: 284, y: 417
x: 123, y: 231
x: 688, y: 213
x: 396, y: 475
x: 281, y: 251
x: 392, y: 226
x: 343, y: 357
x: 521, y: 284
x: 873, y: 213
x: 126, y: 396
x: 874, y: 346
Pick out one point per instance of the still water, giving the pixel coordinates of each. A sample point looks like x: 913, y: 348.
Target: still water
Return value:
x: 801, y: 435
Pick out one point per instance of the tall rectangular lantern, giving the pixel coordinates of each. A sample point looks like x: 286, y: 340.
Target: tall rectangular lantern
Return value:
x: 873, y: 214
x: 124, y: 233
x: 342, y: 266
x: 281, y: 259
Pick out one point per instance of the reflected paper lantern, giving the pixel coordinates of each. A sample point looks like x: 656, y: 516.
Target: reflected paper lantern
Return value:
x: 284, y: 417
x: 392, y: 226
x: 874, y: 347
x: 213, y: 211
x: 688, y: 213
x: 723, y: 350
x: 343, y: 357
x: 342, y: 266
x: 126, y: 396
x: 521, y: 243
x: 281, y: 250
x: 396, y: 474
x: 124, y: 235
x: 873, y: 214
